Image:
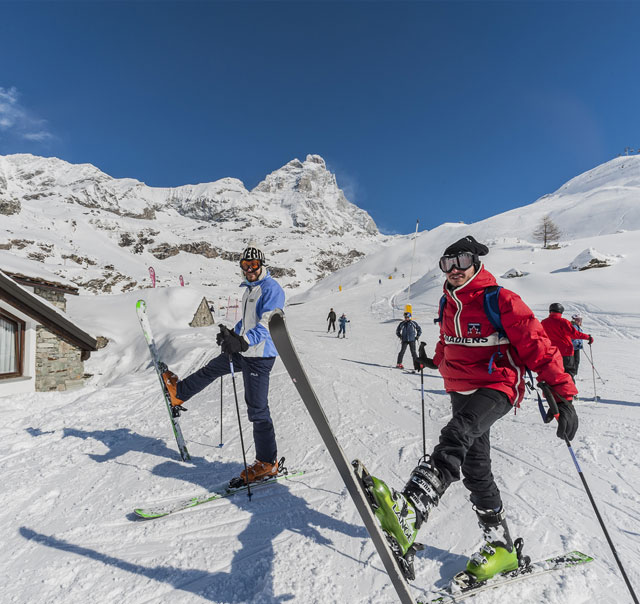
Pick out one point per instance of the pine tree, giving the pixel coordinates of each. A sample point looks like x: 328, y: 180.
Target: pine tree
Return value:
x: 547, y: 231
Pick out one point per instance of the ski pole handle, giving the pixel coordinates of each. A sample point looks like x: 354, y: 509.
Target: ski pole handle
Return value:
x: 554, y: 412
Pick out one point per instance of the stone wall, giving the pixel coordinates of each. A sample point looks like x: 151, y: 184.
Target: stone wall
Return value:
x: 58, y: 363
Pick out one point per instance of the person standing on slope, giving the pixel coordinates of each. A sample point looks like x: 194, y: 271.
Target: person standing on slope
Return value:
x: 331, y: 317
x: 343, y: 325
x: 483, y: 373
x: 562, y: 333
x: 408, y: 331
x: 250, y: 348
x: 576, y: 322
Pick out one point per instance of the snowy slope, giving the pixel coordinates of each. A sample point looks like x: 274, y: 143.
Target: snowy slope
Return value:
x: 79, y: 462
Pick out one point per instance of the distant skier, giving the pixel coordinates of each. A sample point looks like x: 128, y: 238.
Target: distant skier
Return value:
x: 331, y: 317
x: 576, y: 321
x: 561, y: 333
x: 343, y: 325
x: 484, y: 375
x: 250, y: 348
x: 408, y: 331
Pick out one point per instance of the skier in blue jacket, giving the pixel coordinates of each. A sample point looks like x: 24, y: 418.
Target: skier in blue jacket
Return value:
x: 251, y: 350
x: 576, y: 321
x: 342, y: 322
x: 408, y: 331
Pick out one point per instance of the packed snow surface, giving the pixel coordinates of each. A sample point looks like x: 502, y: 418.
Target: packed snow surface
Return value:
x: 75, y: 464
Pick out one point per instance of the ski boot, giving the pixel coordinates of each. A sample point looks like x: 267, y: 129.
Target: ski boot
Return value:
x: 498, y: 555
x: 399, y: 366
x: 401, y: 514
x: 258, y: 471
x: 170, y: 381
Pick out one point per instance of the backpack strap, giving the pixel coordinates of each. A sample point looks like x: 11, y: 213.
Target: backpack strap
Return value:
x: 443, y: 301
x: 492, y: 309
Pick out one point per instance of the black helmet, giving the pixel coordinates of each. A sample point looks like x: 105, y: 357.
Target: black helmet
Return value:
x: 252, y: 253
x: 556, y: 307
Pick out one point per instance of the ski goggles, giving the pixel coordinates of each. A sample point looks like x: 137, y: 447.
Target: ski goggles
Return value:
x: 461, y: 261
x: 249, y: 266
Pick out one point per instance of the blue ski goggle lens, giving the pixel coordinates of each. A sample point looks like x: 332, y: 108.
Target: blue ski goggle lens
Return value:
x: 461, y: 261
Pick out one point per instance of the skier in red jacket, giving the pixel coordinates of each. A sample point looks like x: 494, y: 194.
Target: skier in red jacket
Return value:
x: 484, y: 375
x: 562, y: 333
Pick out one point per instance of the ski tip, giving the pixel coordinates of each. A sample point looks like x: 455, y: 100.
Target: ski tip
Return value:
x: 146, y: 515
x: 276, y: 315
x: 140, y: 304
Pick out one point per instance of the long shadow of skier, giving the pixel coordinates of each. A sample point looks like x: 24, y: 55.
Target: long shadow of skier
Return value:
x: 250, y: 578
x: 251, y: 567
x: 120, y: 441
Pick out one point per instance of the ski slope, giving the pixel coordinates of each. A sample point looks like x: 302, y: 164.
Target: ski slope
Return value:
x: 76, y: 464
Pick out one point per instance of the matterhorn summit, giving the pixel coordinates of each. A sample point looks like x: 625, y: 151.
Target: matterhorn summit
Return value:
x: 310, y: 193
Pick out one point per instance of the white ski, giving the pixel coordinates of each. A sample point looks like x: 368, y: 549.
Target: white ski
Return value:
x: 141, y: 310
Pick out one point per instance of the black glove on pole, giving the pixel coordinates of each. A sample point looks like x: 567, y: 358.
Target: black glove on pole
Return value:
x: 230, y: 341
x: 556, y: 411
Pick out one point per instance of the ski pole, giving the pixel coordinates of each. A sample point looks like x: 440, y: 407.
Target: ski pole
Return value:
x: 424, y: 437
x: 593, y: 372
x: 553, y: 407
x: 244, y: 457
x: 220, y: 412
x: 593, y: 366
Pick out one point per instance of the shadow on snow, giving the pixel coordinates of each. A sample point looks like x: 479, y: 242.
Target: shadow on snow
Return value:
x: 250, y: 578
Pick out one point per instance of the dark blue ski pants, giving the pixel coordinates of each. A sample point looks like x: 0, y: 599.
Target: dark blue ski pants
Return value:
x: 465, y: 444
x: 255, y: 375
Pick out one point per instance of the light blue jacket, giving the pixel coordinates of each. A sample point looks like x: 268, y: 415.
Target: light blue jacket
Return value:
x: 259, y: 301
x: 577, y: 344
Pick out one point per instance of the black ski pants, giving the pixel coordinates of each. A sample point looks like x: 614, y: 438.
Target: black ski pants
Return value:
x: 576, y: 362
x: 465, y: 444
x: 255, y: 374
x: 332, y: 323
x: 570, y: 367
x: 403, y: 348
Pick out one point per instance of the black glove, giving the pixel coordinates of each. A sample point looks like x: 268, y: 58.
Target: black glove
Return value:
x: 230, y: 341
x: 590, y: 340
x: 423, y: 360
x: 567, y: 417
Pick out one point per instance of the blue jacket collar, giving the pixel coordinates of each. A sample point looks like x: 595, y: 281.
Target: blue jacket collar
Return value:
x: 248, y: 284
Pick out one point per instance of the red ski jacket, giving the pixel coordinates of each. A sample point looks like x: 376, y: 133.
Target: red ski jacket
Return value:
x: 561, y: 332
x: 470, y: 354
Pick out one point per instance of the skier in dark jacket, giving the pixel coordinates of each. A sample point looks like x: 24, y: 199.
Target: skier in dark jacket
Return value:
x: 251, y: 350
x: 343, y: 325
x: 408, y: 331
x: 331, y: 317
x: 483, y: 372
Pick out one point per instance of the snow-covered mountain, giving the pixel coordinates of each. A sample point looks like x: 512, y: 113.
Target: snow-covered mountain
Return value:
x: 103, y: 233
x: 598, y: 208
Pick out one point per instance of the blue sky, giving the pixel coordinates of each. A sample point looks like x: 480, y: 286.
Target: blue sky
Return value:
x: 441, y: 111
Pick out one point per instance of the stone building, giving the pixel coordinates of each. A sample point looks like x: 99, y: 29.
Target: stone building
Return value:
x: 40, y: 348
x: 203, y: 316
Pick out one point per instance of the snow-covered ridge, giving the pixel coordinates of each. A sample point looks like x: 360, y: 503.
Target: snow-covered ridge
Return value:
x: 103, y: 233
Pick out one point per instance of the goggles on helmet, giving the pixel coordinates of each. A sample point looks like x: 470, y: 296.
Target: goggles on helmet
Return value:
x: 461, y: 261
x: 249, y: 266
